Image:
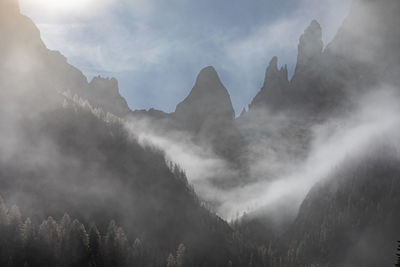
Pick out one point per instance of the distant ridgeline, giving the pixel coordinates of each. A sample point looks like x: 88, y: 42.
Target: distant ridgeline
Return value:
x: 65, y: 148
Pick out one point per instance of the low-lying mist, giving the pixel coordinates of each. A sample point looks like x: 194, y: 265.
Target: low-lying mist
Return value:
x: 278, y: 181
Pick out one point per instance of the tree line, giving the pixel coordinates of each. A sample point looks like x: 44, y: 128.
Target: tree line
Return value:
x: 68, y: 242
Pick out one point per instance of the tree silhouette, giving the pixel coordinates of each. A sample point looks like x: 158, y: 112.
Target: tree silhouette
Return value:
x: 94, y: 246
x: 180, y: 255
x: 398, y: 255
x: 171, y: 260
x: 78, y: 245
x: 116, y: 245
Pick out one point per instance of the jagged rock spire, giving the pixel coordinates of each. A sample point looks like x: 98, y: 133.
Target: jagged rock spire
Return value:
x: 310, y: 46
x: 275, y: 84
x: 273, y: 75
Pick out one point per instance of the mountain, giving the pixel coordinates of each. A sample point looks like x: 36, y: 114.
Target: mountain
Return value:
x: 69, y: 145
x: 65, y: 148
x: 276, y: 83
x: 362, y: 54
x: 208, y: 114
x: 24, y: 51
x: 351, y: 218
x: 206, y: 117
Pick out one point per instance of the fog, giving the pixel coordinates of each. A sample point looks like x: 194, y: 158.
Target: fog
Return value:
x: 278, y: 180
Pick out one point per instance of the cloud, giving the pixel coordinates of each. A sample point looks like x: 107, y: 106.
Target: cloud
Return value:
x: 285, y: 185
x: 336, y: 141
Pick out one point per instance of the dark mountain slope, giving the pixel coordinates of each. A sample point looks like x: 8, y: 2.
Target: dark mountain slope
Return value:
x: 352, y: 218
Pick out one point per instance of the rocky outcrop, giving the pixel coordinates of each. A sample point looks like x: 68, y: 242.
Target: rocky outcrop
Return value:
x: 105, y: 93
x: 276, y: 83
x: 310, y: 48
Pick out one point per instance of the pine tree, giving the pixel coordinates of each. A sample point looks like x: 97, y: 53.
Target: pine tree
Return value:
x: 27, y: 231
x: 3, y: 213
x: 65, y: 225
x: 137, y: 253
x: 115, y: 245
x: 180, y: 255
x: 27, y: 236
x: 4, y: 234
x: 64, y: 229
x: 78, y: 245
x: 49, y: 242
x: 171, y: 261
x: 14, y: 230
x: 94, y: 246
x: 398, y: 255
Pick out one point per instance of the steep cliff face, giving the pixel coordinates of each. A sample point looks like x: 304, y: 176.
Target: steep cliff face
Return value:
x: 23, y: 54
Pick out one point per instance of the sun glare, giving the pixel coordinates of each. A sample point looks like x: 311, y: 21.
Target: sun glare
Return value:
x: 59, y: 6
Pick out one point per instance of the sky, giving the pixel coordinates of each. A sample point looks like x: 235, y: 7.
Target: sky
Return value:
x: 156, y: 48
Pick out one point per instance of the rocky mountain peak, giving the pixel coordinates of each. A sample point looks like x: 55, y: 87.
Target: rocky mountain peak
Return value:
x: 208, y: 100
x: 208, y: 76
x: 273, y: 75
x: 104, y: 92
x: 275, y: 83
x: 310, y: 45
